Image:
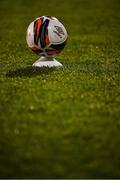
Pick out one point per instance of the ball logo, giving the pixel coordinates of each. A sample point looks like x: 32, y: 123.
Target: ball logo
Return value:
x: 59, y: 31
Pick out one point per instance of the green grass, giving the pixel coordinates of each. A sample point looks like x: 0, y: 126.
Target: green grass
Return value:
x: 61, y: 123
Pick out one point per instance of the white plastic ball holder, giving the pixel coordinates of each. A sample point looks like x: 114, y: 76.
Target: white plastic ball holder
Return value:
x: 46, y: 36
x: 47, y: 62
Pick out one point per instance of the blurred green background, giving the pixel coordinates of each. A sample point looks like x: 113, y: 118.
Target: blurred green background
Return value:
x: 61, y: 123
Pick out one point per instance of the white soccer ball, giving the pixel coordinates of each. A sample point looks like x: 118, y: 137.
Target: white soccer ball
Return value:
x: 46, y: 36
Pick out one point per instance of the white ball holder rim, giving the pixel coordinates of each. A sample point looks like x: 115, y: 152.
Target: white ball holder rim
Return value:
x: 47, y: 61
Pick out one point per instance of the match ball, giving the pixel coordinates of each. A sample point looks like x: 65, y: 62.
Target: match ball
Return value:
x: 46, y: 36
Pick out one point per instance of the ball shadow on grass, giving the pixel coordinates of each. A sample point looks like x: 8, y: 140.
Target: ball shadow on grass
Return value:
x: 29, y: 71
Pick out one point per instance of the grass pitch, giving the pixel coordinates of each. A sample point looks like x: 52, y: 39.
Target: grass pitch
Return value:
x: 61, y: 123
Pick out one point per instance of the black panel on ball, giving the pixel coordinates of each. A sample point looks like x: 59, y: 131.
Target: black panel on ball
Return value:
x: 58, y: 46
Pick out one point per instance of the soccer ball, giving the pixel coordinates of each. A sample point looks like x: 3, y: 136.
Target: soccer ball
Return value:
x: 46, y: 36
